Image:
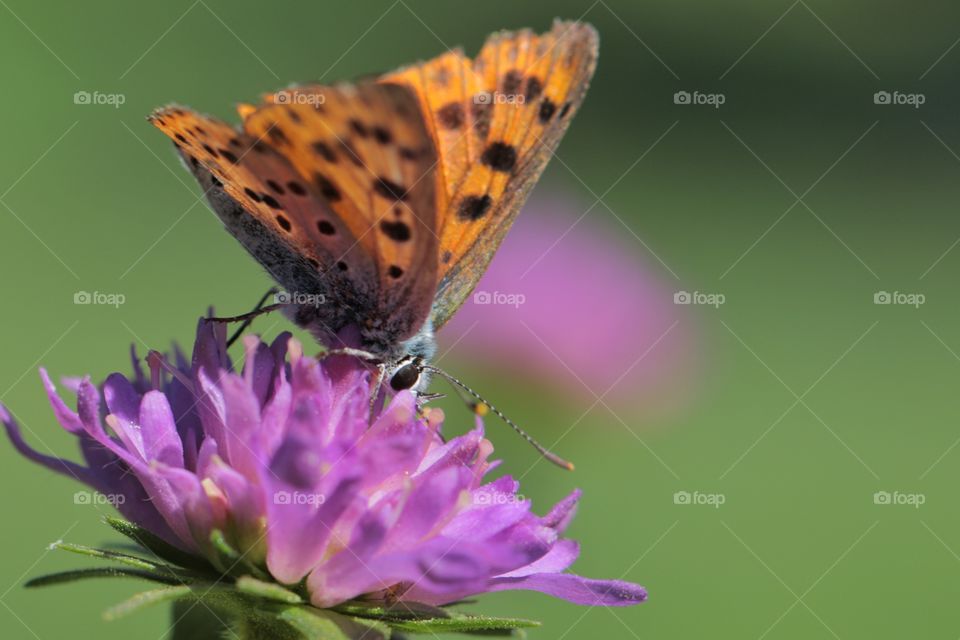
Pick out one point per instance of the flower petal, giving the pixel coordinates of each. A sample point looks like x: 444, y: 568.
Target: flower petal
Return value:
x: 573, y: 588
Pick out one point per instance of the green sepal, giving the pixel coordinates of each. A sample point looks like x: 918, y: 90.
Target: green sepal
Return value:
x: 230, y: 561
x: 116, y: 556
x: 146, y: 599
x: 484, y: 625
x: 413, y: 617
x: 324, y: 624
x: 156, y: 545
x: 64, y: 577
x: 267, y: 590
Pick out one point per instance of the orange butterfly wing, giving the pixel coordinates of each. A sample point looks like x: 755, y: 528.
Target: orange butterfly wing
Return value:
x: 496, y: 122
x: 341, y: 181
x: 366, y: 149
x: 267, y: 188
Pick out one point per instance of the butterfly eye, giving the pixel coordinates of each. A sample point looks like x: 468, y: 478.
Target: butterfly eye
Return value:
x: 406, y: 377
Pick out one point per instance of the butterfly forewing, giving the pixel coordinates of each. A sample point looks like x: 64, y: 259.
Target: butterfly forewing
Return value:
x: 515, y: 102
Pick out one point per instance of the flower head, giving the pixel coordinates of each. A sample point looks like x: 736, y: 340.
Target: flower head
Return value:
x: 286, y: 461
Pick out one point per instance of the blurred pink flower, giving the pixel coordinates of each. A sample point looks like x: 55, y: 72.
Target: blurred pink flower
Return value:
x: 578, y: 305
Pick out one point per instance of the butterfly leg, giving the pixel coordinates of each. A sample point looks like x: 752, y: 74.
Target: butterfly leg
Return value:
x: 349, y: 351
x: 375, y: 393
x: 424, y: 398
x: 249, y: 315
x: 272, y: 291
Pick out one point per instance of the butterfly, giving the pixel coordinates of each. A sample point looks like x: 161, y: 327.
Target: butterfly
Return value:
x: 378, y: 205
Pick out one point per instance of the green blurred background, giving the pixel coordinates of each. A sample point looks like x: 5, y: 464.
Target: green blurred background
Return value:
x: 807, y: 398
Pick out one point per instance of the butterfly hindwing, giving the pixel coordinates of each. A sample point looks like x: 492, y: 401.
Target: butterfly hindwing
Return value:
x: 365, y: 148
x: 496, y: 121
x: 276, y: 215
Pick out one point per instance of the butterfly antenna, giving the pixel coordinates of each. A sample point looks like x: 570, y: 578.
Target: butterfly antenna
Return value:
x: 481, y: 406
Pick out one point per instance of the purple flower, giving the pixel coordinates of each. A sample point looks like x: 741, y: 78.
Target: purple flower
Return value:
x: 287, y: 462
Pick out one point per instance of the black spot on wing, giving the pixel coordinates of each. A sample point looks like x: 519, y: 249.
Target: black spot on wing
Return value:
x: 359, y: 128
x: 482, y: 112
x: 327, y: 187
x: 389, y: 189
x: 451, y: 115
x: 349, y: 151
x: 534, y: 89
x: 499, y: 156
x: 512, y: 81
x: 382, y: 135
x: 474, y: 207
x: 547, y: 109
x: 326, y: 228
x: 398, y: 231
x: 323, y: 150
x: 277, y: 135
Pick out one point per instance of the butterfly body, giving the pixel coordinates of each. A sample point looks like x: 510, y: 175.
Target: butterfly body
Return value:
x: 377, y: 206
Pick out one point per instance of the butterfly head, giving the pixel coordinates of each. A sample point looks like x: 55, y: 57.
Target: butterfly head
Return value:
x: 407, y: 374
x: 407, y: 364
